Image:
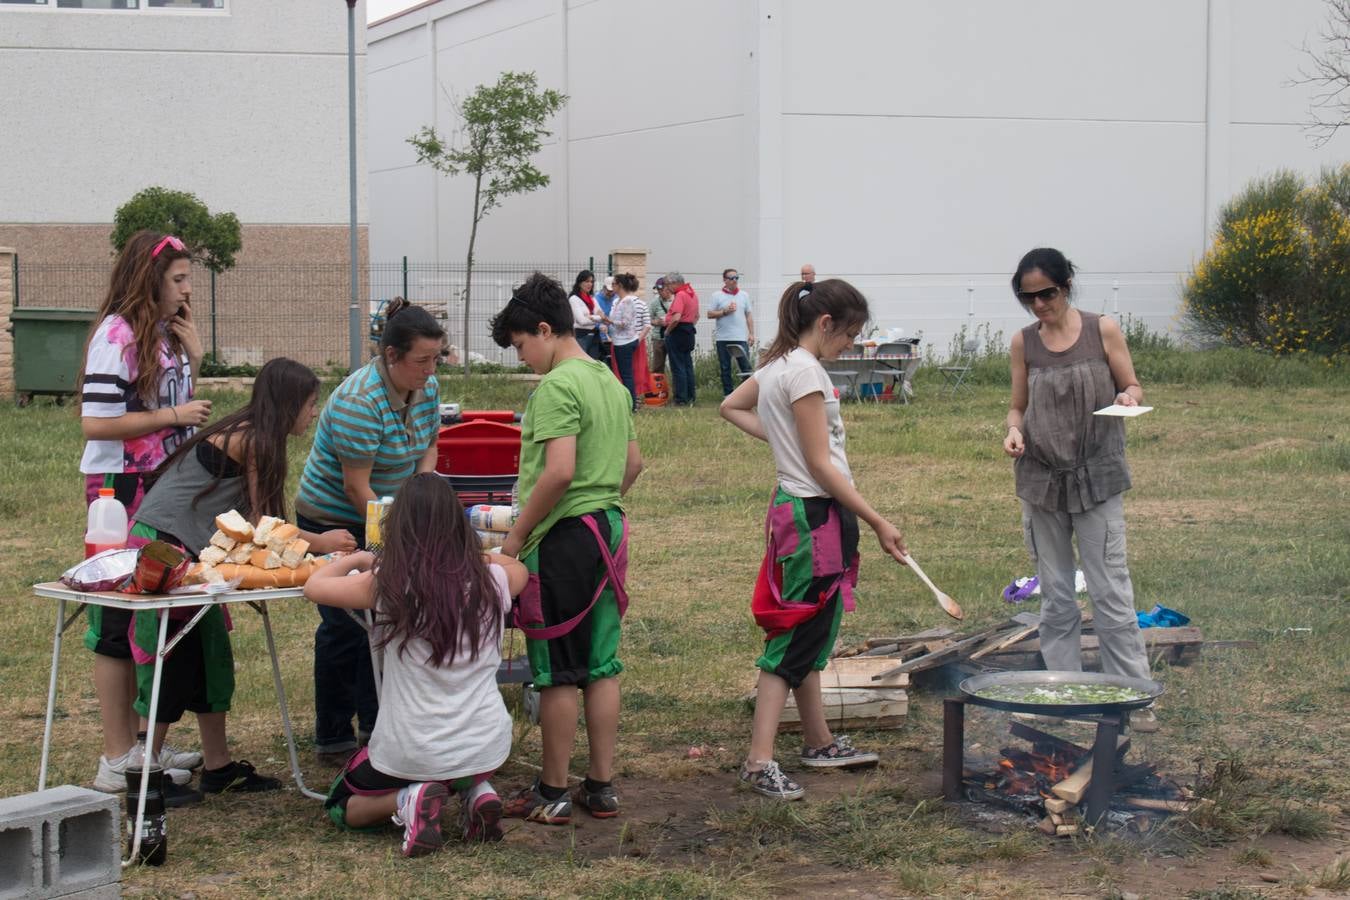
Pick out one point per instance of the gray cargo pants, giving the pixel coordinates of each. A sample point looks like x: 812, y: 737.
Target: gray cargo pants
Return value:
x: 1101, y: 549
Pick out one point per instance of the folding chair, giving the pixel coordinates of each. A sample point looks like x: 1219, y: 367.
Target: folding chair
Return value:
x: 956, y: 372
x: 844, y: 376
x: 736, y: 354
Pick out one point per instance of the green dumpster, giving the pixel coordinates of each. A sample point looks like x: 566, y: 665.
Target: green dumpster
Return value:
x: 48, y: 349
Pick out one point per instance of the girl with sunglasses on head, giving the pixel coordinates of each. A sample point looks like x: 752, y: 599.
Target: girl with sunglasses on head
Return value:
x: 1070, y: 467
x: 136, y: 408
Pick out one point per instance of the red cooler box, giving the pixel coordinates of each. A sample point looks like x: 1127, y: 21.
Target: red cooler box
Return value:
x: 480, y: 457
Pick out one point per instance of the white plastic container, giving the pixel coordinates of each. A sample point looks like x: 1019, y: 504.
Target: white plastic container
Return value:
x: 107, y: 525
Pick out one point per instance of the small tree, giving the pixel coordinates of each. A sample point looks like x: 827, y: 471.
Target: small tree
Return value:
x: 212, y: 240
x: 503, y: 127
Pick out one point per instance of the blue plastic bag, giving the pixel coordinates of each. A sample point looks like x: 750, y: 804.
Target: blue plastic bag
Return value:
x: 1162, y: 617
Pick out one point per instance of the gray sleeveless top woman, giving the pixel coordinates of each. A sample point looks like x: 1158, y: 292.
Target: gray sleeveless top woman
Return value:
x: 1073, y: 460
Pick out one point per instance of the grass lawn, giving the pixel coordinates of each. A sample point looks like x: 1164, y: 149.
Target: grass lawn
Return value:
x: 1240, y: 518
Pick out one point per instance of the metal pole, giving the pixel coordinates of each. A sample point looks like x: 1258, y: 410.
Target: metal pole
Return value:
x: 353, y: 311
x: 215, y: 357
x: 405, y: 279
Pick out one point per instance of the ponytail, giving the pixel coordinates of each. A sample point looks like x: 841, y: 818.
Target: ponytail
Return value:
x: 803, y: 303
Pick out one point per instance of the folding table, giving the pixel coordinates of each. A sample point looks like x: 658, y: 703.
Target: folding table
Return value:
x: 162, y: 604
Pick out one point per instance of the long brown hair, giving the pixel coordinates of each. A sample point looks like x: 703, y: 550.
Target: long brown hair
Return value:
x: 797, y: 311
x: 431, y: 581
x: 280, y: 393
x: 133, y: 294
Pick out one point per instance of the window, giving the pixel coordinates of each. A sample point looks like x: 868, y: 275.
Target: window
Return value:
x: 128, y: 5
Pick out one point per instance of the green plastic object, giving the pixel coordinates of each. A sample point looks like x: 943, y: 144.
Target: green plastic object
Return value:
x: 48, y: 349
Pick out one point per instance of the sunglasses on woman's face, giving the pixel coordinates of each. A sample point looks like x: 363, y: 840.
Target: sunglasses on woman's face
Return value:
x: 1047, y: 294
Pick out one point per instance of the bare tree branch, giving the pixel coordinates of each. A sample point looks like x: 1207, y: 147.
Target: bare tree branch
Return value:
x: 1328, y: 71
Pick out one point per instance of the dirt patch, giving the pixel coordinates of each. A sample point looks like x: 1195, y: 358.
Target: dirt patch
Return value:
x: 1265, y: 448
x: 1189, y: 512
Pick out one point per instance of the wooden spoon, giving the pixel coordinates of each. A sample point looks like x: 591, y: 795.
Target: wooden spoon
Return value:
x: 949, y: 606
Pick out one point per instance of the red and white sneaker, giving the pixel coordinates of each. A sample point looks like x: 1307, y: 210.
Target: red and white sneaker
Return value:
x: 480, y: 819
x: 420, y: 816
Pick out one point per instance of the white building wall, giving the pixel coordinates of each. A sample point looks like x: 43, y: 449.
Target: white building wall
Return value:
x: 246, y: 108
x: 916, y: 148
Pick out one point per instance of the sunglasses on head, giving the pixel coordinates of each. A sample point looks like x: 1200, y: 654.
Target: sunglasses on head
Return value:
x: 1046, y: 294
x: 171, y: 241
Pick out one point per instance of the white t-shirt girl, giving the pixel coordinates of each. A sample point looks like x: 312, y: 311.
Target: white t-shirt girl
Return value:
x: 781, y: 383
x: 438, y: 724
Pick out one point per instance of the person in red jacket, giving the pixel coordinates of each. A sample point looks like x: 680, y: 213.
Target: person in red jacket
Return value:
x: 680, y: 337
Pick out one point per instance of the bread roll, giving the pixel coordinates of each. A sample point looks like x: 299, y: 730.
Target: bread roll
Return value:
x: 235, y: 526
x: 265, y: 559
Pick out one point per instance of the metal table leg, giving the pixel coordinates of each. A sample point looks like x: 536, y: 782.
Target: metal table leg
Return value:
x: 261, y: 607
x: 51, y: 691
x: 160, y: 653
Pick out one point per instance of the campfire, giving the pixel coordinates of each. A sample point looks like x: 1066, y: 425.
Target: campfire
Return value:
x: 1058, y: 783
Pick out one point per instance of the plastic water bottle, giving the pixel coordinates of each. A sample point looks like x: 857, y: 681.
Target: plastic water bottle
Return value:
x: 154, y: 827
x: 107, y: 525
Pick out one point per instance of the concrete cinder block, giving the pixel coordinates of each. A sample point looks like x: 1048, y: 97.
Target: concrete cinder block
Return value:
x: 58, y: 842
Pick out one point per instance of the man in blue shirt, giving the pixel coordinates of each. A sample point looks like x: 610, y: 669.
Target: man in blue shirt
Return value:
x: 729, y: 309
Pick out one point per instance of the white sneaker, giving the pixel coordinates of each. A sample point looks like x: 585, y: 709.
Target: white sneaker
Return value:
x: 112, y: 775
x: 136, y: 757
x: 172, y: 758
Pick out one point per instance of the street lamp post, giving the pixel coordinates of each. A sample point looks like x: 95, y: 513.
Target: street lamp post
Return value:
x: 354, y: 310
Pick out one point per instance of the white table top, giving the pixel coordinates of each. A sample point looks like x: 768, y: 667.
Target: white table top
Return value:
x: 57, y: 591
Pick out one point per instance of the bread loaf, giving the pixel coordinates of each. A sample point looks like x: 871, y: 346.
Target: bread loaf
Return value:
x: 252, y: 577
x: 235, y: 526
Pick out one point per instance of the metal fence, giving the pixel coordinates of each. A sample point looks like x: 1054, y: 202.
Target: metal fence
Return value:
x: 253, y: 313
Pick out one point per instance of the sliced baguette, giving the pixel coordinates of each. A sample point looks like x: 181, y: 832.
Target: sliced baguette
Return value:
x: 265, y: 559
x: 263, y: 530
x: 294, y: 554
x: 223, y: 541
x: 235, y: 526
x: 280, y: 536
x: 211, y: 555
x: 240, y: 554
x: 252, y: 577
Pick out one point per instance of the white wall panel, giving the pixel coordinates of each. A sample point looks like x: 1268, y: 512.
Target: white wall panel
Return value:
x: 403, y: 204
x: 524, y: 227
x: 1266, y: 56
x: 466, y: 59
x: 675, y: 191
x: 635, y: 64
x: 1142, y: 60
x: 405, y: 105
x: 1259, y: 150
x: 886, y: 195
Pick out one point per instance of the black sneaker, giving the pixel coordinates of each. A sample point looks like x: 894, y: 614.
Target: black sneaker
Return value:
x: 238, y: 777
x: 175, y: 795
x: 602, y: 803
